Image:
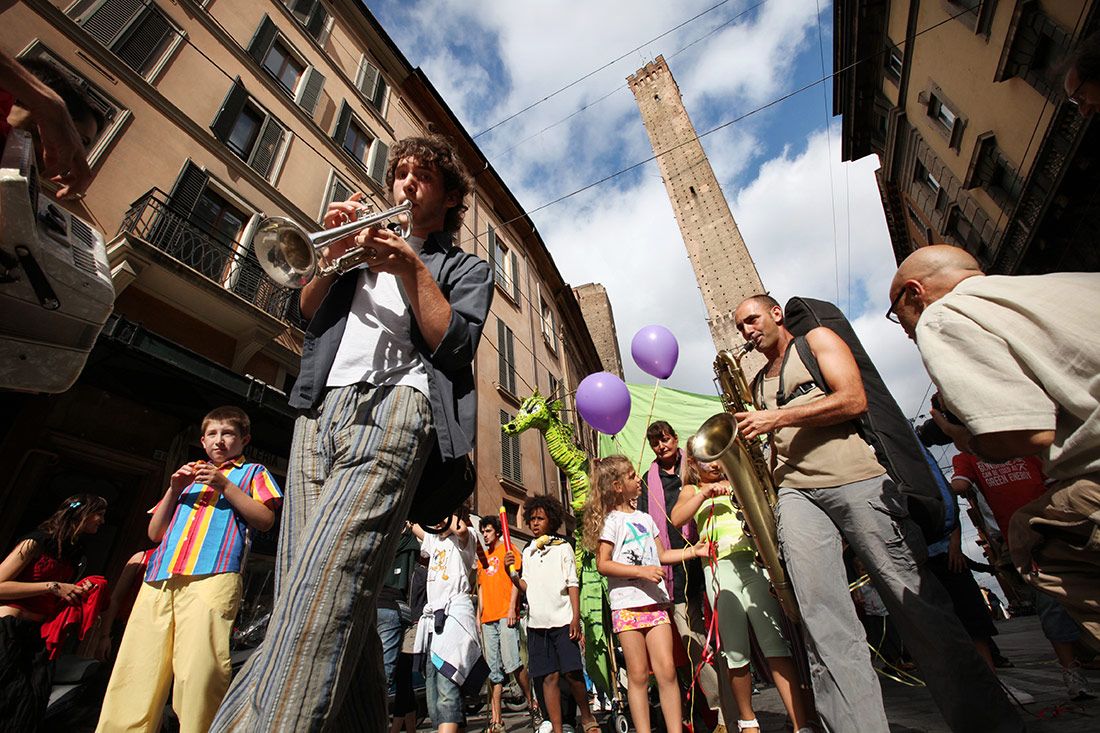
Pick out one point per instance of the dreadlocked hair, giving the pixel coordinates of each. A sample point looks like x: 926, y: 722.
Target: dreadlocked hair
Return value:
x: 63, y: 526
x: 603, y: 496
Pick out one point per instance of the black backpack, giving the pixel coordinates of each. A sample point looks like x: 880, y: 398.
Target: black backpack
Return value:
x: 884, y: 426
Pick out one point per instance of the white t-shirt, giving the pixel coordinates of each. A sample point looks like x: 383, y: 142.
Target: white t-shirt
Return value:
x: 549, y: 572
x: 450, y: 564
x: 632, y: 535
x: 1021, y: 353
x: 377, y: 346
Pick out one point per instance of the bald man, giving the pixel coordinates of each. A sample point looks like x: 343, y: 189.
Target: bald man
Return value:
x: 1017, y: 364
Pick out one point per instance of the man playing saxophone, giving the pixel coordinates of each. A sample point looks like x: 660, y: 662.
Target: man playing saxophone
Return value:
x: 832, y: 488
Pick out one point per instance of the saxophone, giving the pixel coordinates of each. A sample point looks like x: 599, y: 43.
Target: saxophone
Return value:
x: 747, y: 469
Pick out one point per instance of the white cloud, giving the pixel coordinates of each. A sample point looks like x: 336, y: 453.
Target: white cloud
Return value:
x: 786, y: 218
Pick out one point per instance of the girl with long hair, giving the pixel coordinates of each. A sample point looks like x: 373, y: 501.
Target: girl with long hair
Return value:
x: 738, y: 590
x: 629, y: 552
x: 37, y: 579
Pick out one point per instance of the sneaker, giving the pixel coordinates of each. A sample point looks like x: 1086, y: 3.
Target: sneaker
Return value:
x: 1019, y: 695
x: 566, y: 728
x: 536, y: 720
x: 545, y: 727
x: 495, y: 728
x: 1077, y: 685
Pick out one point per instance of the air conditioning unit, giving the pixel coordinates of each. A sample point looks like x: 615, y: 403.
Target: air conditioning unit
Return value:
x: 55, y: 282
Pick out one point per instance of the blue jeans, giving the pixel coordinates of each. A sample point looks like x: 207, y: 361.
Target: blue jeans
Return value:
x: 501, y: 649
x: 444, y: 697
x: 1058, y: 625
x: 389, y: 631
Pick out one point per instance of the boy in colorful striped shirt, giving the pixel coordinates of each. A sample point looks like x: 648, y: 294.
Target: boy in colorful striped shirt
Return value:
x: 184, y: 612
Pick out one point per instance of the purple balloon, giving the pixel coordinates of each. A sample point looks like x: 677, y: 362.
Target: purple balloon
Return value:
x: 604, y: 402
x: 655, y: 351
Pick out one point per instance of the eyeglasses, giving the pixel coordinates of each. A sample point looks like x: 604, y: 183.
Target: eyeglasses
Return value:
x: 890, y: 314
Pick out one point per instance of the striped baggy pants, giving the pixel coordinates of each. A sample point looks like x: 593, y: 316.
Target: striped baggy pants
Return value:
x: 354, y: 466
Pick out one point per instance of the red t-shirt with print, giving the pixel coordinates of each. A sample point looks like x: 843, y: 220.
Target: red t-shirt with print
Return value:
x: 1005, y: 486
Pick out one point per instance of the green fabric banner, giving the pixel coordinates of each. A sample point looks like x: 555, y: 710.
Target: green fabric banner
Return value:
x: 685, y: 411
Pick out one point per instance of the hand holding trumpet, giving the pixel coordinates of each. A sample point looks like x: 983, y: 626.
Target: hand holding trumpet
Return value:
x: 384, y: 249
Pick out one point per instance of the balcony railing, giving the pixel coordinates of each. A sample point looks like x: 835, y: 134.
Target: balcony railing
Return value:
x: 153, y: 219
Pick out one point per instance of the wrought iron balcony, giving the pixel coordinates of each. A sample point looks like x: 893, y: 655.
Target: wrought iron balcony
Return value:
x: 154, y: 219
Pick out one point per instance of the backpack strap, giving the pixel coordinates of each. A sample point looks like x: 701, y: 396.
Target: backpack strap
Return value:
x: 806, y: 354
x: 809, y: 360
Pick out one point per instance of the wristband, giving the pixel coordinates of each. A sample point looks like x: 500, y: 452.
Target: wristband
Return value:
x: 53, y: 587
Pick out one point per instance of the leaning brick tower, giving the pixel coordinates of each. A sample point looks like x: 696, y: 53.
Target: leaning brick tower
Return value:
x: 723, y: 267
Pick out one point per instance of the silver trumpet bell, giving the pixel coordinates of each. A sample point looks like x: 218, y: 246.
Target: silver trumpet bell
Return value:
x: 288, y: 253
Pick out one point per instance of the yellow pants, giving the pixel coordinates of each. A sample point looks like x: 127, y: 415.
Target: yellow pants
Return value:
x: 179, y: 628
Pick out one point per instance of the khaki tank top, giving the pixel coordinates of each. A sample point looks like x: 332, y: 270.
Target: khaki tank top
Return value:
x: 817, y: 457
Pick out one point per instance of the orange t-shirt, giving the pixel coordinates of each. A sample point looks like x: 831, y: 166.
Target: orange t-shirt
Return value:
x: 496, y: 586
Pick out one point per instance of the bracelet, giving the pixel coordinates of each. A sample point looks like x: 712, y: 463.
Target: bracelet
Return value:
x: 53, y: 587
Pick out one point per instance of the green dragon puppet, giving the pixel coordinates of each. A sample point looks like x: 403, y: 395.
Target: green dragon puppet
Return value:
x: 542, y: 414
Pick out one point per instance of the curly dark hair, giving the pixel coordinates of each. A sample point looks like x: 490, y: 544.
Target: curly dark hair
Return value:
x: 440, y: 152
x: 490, y: 521
x: 555, y: 512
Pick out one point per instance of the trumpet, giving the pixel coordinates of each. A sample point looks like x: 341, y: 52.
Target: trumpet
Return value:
x: 288, y: 253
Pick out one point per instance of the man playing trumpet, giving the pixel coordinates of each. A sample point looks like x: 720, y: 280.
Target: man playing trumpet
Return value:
x: 386, y: 390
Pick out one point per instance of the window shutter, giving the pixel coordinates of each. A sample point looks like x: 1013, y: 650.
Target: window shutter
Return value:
x: 342, y: 122
x: 315, y: 25
x: 511, y: 361
x: 367, y: 78
x: 515, y: 276
x: 379, y: 152
x: 267, y: 147
x: 492, y: 247
x: 502, y: 353
x: 505, y: 449
x: 262, y: 39
x: 107, y: 22
x: 230, y: 111
x: 189, y: 187
x: 309, y: 91
x: 379, y: 96
x: 517, y: 460
x: 144, y: 40
x: 340, y: 192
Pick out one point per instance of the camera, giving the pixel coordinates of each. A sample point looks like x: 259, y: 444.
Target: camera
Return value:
x: 929, y: 432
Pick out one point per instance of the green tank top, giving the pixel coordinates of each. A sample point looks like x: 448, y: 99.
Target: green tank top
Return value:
x: 717, y: 522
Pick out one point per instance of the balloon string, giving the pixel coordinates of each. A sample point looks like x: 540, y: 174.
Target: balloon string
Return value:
x: 652, y: 402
